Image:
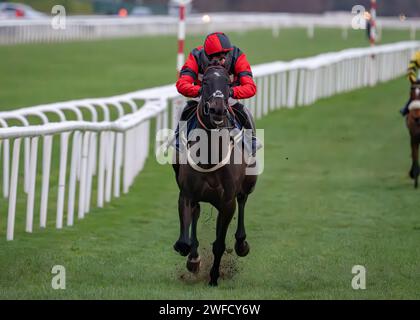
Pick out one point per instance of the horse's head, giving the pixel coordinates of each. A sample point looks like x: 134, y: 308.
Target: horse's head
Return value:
x: 415, y: 92
x: 214, y: 97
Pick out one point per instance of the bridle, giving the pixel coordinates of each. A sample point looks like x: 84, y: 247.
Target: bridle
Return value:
x: 204, y: 104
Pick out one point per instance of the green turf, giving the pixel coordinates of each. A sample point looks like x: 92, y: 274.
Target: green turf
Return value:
x: 334, y: 194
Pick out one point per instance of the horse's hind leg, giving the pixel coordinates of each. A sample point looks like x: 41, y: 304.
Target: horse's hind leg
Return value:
x: 183, y: 245
x: 193, y: 262
x: 223, y: 220
x: 415, y: 171
x: 241, y: 245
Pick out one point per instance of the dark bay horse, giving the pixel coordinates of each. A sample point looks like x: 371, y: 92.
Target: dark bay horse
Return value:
x: 413, y: 124
x: 222, y: 184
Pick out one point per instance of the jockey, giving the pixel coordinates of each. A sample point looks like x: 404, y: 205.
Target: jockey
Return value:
x: 413, y: 76
x: 218, y: 49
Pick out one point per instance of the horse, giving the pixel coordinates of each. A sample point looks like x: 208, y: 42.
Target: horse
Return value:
x: 221, y: 185
x: 413, y: 124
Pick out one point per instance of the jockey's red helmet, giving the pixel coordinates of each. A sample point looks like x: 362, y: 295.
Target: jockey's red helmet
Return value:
x: 217, y: 42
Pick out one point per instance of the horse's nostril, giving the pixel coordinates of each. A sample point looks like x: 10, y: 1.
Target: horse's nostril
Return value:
x: 212, y: 110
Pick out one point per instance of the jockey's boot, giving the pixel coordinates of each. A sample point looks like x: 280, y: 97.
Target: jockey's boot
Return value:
x: 186, y: 115
x: 404, y: 110
x: 247, y: 121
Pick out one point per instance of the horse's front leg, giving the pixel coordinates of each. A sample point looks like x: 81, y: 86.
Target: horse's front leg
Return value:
x: 414, y: 171
x: 183, y: 245
x: 241, y: 245
x: 223, y: 220
x: 193, y: 262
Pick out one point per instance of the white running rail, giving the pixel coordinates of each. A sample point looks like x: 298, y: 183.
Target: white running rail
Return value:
x: 100, y: 145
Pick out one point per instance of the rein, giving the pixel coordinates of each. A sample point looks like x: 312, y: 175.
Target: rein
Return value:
x: 222, y: 163
x: 201, y: 121
x: 231, y: 118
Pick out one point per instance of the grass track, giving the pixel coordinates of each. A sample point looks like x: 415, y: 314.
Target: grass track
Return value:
x: 334, y: 193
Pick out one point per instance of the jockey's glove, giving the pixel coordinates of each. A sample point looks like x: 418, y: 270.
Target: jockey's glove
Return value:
x: 231, y: 93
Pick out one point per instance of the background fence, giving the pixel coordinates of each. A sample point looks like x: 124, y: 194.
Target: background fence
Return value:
x: 87, y: 28
x: 98, y: 146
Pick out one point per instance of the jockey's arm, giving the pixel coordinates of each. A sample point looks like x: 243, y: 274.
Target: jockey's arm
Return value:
x: 413, y: 67
x: 187, y: 77
x: 247, y: 87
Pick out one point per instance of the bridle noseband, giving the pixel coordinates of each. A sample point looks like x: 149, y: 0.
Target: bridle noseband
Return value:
x: 217, y: 94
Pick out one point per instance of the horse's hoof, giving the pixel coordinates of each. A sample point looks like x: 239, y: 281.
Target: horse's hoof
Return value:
x: 411, y: 174
x: 213, y: 283
x: 242, y: 248
x: 182, y: 248
x: 193, y: 264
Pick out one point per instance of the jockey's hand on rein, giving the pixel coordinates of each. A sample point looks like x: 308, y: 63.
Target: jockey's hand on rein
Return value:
x: 231, y: 93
